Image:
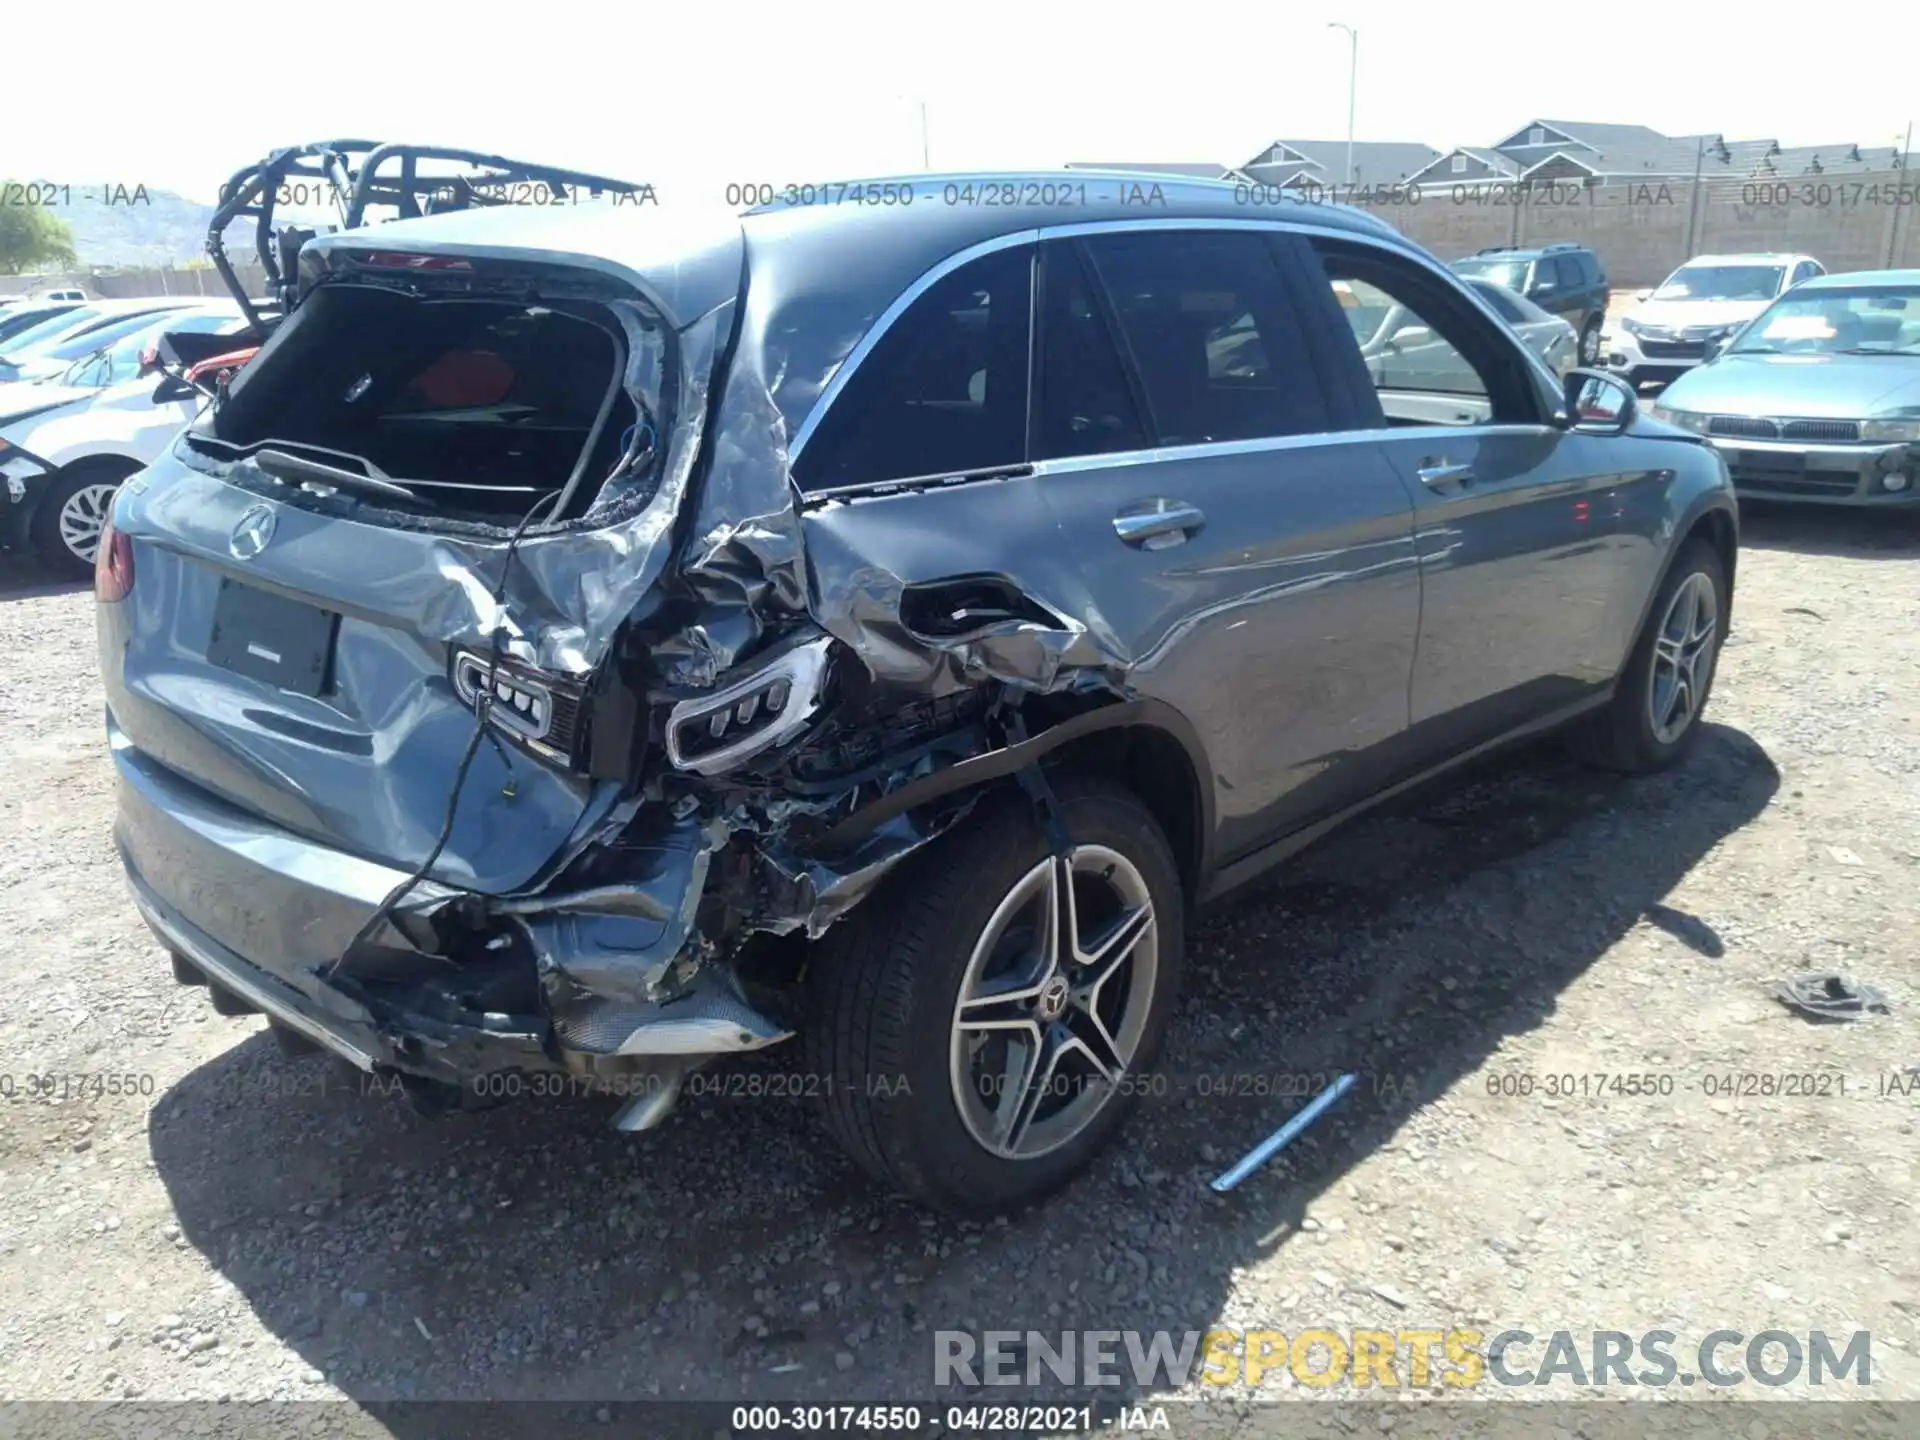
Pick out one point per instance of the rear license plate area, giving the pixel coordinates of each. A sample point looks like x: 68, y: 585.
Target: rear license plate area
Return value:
x: 270, y: 638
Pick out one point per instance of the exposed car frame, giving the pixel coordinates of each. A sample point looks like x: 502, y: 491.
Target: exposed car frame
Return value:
x: 358, y: 175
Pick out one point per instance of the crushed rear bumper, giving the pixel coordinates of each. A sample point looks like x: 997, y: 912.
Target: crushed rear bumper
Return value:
x: 267, y: 916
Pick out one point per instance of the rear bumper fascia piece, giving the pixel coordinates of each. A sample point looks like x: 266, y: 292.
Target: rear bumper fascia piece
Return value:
x: 265, y: 915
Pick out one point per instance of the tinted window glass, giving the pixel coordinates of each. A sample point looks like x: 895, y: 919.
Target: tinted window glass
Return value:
x: 945, y: 389
x: 1590, y: 268
x: 1210, y: 334
x: 1567, y: 271
x: 1084, y: 405
x: 1433, y: 360
x: 1501, y: 300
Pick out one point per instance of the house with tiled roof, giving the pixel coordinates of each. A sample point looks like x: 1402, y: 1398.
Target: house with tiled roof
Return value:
x: 1184, y: 169
x: 1466, y: 165
x: 1323, y: 163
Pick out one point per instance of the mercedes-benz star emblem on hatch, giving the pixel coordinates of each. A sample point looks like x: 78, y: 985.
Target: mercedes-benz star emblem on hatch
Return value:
x: 251, y: 534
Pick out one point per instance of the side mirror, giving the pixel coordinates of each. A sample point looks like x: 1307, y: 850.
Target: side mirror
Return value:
x: 1643, y: 295
x: 1413, y: 335
x: 1711, y: 350
x: 1598, y: 403
x: 171, y: 389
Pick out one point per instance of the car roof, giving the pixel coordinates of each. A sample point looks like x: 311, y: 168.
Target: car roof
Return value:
x: 690, y: 255
x: 1854, y: 279
x: 150, y: 302
x: 1754, y: 257
x: 1526, y: 252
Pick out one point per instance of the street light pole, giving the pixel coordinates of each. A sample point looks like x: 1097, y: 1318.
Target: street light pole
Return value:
x: 925, y: 163
x: 1353, y: 72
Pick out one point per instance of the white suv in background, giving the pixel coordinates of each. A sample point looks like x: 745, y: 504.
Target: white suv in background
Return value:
x: 1706, y: 299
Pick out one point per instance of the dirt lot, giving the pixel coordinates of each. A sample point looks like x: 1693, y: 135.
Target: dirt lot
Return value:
x: 250, y: 1226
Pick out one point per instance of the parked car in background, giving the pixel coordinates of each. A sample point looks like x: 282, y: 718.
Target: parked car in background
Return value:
x: 1818, y: 399
x: 53, y: 358
x: 18, y: 319
x: 1553, y: 339
x: 42, y: 297
x: 66, y: 445
x: 127, y: 350
x: 1564, y: 279
x: 25, y: 353
x: 1404, y: 356
x: 1706, y: 300
x: 387, y: 646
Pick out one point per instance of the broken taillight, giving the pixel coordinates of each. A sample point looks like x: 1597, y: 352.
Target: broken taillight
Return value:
x: 112, y: 566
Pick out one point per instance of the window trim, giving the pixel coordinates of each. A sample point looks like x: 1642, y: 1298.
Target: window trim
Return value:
x: 1548, y: 388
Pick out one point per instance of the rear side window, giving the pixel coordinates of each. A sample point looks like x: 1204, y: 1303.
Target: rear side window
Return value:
x: 943, y: 392
x: 1084, y: 403
x: 1567, y: 271
x: 1208, y: 330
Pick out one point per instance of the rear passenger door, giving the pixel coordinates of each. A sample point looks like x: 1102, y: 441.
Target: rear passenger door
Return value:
x: 1237, y: 536
x: 1525, y: 530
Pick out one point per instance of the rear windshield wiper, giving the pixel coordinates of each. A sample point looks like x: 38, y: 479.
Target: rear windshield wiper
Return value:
x: 293, y: 467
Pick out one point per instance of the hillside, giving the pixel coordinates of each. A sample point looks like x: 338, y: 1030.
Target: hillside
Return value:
x: 131, y: 225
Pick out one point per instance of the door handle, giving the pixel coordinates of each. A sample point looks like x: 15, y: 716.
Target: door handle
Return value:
x: 1158, y: 524
x: 1439, y: 474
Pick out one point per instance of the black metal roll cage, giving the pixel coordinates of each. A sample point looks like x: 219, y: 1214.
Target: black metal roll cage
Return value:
x: 352, y: 173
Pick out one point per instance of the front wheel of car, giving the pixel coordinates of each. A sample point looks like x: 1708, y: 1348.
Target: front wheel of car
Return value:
x: 1655, y: 711
x: 67, y: 524
x: 981, y: 1025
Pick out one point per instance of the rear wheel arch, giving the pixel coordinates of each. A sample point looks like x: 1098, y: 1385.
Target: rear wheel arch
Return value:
x: 1152, y: 757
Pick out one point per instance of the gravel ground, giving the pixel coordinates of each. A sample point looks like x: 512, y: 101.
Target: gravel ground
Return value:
x: 251, y: 1226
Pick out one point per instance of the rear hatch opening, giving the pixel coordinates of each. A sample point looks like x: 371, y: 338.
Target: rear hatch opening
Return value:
x: 452, y: 407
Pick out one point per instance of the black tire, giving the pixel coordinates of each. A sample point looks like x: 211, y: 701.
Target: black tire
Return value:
x: 1623, y: 736
x: 885, y: 986
x: 73, y: 486
x: 1590, y: 342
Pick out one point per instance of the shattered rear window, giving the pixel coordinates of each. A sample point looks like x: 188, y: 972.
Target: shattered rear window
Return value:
x: 480, y: 406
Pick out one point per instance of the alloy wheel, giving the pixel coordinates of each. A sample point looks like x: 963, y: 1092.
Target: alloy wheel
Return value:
x: 1683, y: 657
x: 1054, y: 1002
x: 82, y: 518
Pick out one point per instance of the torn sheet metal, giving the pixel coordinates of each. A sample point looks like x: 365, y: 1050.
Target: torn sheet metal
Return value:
x: 620, y: 939
x: 798, y: 893
x: 572, y: 585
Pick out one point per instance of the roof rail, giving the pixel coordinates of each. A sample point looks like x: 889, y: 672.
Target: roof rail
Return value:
x: 1494, y: 249
x: 1564, y: 245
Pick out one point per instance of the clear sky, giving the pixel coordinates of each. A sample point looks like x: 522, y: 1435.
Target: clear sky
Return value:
x: 694, y: 95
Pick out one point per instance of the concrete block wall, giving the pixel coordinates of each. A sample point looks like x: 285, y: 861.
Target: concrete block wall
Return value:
x: 1643, y: 231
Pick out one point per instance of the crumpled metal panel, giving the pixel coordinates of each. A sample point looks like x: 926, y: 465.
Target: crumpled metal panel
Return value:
x: 800, y: 893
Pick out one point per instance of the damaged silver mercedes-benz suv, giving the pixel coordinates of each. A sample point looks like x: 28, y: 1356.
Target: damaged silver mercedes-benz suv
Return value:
x: 599, y: 641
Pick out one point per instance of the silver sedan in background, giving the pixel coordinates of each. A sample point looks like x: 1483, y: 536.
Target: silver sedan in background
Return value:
x: 1818, y: 398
